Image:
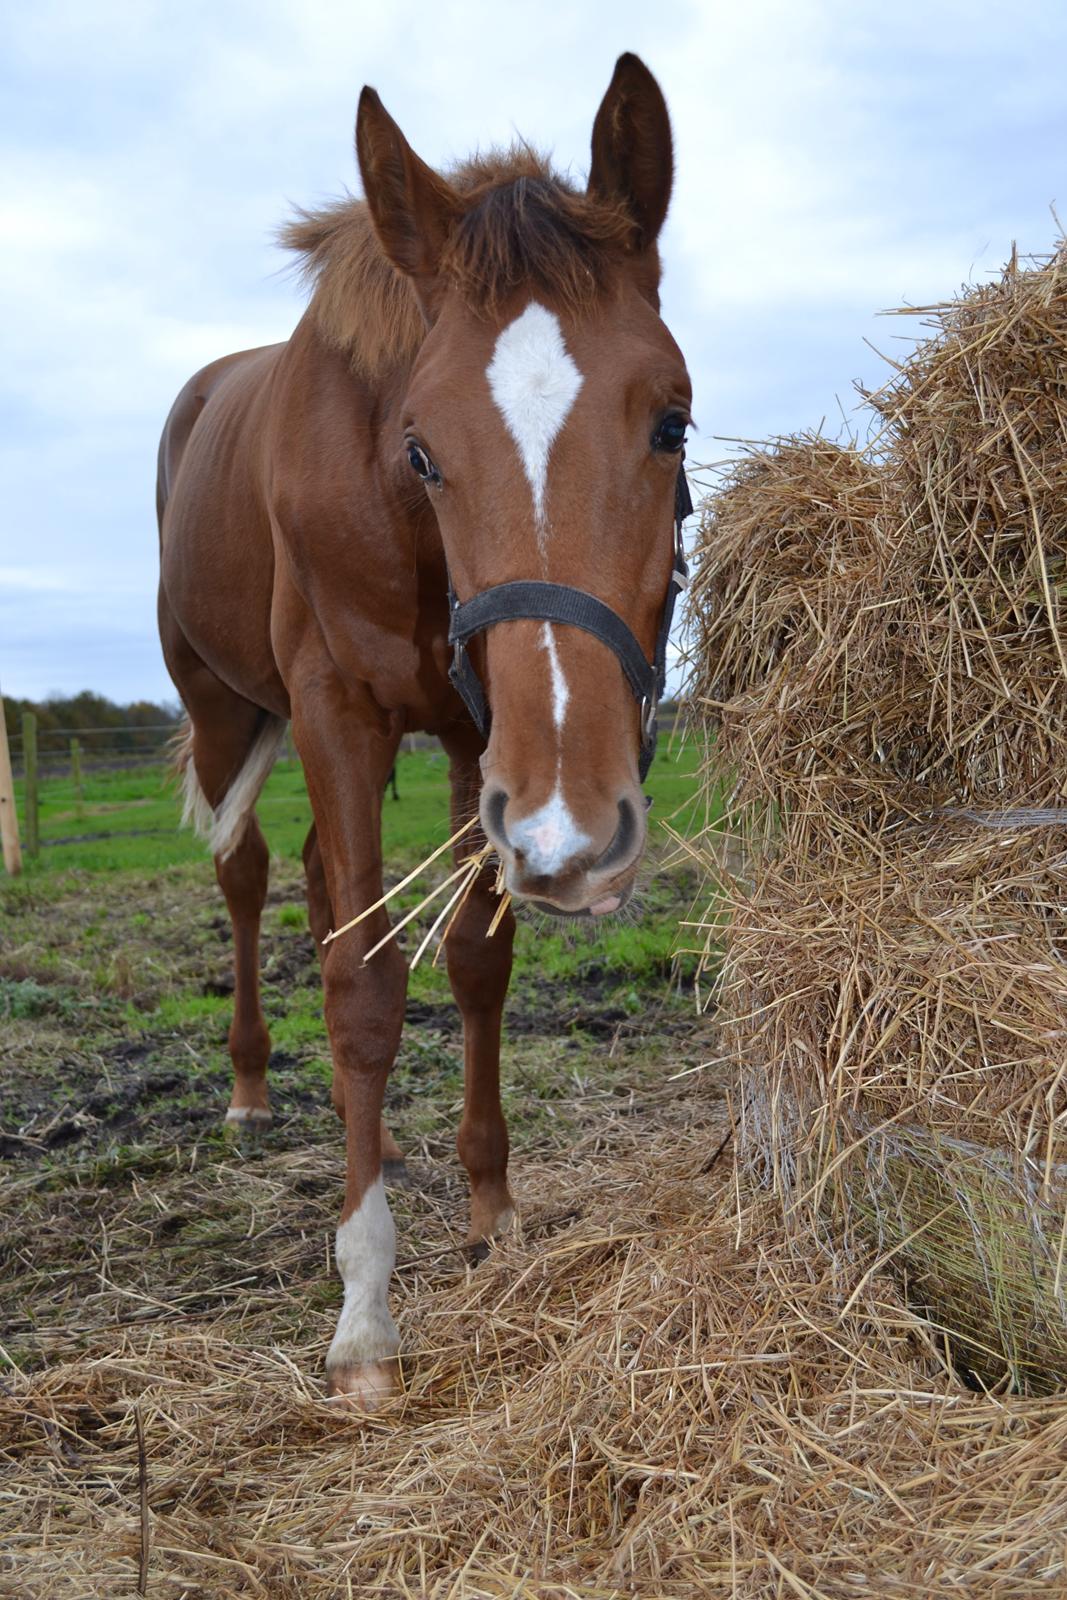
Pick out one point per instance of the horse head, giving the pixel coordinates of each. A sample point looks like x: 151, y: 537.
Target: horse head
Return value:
x: 545, y: 415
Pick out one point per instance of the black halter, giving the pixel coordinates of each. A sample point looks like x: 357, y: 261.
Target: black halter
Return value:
x: 557, y: 602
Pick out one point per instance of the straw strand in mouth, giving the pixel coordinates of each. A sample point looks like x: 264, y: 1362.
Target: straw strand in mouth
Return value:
x: 462, y: 871
x: 464, y: 878
x: 459, y: 895
x: 505, y: 901
x: 335, y: 933
x: 476, y: 865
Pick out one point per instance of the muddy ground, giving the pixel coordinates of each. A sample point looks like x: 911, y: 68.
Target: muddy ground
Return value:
x: 114, y: 1006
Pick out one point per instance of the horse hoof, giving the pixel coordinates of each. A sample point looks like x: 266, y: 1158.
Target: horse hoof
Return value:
x: 366, y: 1387
x: 395, y: 1173
x: 484, y: 1233
x: 246, y: 1121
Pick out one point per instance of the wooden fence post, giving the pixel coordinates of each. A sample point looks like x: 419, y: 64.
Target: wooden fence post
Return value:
x: 76, y: 775
x: 9, y: 820
x: 29, y: 761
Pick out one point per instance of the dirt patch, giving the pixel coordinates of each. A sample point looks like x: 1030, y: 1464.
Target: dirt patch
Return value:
x: 106, y: 833
x: 116, y: 1027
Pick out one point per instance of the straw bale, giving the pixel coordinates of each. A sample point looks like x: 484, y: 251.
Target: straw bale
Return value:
x: 902, y: 1030
x: 979, y: 1233
x: 977, y: 428
x: 880, y: 633
x: 926, y: 982
x: 791, y: 660
x: 879, y: 647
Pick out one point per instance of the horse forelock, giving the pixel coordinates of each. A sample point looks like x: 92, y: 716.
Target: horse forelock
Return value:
x: 525, y: 226
x: 522, y: 225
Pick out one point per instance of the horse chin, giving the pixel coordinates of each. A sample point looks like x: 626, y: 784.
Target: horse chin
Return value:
x: 598, y: 910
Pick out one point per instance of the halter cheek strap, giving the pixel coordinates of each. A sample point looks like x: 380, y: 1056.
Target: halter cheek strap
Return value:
x: 557, y: 602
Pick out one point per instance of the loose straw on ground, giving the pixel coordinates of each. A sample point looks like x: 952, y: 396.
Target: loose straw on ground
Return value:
x: 654, y: 1390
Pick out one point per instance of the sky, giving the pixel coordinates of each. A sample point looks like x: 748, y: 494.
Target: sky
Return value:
x: 833, y: 160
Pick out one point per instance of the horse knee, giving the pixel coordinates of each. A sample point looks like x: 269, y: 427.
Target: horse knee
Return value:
x: 364, y: 1007
x: 479, y: 968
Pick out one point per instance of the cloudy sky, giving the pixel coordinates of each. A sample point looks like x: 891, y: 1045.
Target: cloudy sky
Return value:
x: 833, y: 159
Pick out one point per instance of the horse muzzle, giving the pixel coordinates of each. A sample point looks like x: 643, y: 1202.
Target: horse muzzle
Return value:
x: 552, y: 858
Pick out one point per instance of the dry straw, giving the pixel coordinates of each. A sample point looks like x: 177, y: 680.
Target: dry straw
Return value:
x: 652, y: 1392
x: 884, y: 630
x: 879, y: 644
x: 903, y: 1029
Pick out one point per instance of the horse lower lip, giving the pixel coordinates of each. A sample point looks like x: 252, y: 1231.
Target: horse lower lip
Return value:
x: 599, y: 908
x: 556, y: 911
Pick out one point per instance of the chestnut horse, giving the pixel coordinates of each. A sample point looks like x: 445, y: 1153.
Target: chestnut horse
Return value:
x: 480, y: 405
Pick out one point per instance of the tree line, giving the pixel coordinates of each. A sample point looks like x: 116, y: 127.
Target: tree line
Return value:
x: 139, y: 725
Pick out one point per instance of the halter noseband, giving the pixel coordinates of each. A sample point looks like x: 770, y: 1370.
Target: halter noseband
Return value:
x: 557, y: 602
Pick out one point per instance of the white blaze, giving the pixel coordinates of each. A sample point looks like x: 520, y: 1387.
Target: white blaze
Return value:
x: 534, y: 382
x: 365, y: 1253
x: 560, y: 693
x: 550, y: 836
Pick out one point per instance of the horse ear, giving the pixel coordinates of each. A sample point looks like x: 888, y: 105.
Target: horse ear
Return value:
x: 633, y: 156
x: 412, y: 207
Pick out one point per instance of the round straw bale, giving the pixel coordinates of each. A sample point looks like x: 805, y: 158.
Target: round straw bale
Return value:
x: 979, y: 1233
x: 792, y: 662
x: 880, y: 649
x: 880, y: 634
x: 977, y: 436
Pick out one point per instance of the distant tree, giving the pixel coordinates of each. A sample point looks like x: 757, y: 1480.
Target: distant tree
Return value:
x: 63, y: 715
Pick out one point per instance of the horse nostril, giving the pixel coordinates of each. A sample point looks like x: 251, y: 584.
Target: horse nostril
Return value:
x: 622, y: 845
x: 493, y: 808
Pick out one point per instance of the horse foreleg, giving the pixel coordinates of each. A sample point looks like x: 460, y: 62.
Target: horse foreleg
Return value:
x: 364, y: 1021
x: 479, y: 969
x: 364, y: 1006
x: 320, y: 919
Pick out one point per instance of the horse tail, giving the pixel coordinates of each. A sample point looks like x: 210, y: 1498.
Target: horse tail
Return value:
x: 223, y: 827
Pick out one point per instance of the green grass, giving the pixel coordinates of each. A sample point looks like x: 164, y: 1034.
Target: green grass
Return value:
x: 130, y: 820
x: 115, y: 1006
x: 119, y: 876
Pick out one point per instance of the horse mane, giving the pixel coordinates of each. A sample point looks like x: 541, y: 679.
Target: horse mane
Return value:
x: 521, y: 223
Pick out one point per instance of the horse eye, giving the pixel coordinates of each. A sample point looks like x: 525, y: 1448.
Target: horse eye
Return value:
x: 670, y: 435
x: 421, y: 463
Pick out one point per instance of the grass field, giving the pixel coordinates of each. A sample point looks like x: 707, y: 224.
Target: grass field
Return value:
x: 129, y: 820
x: 115, y: 984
